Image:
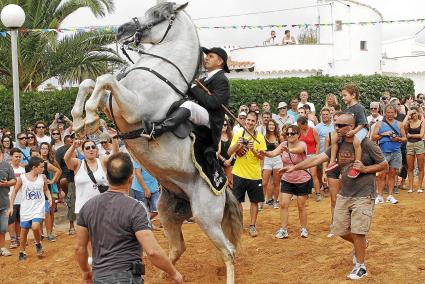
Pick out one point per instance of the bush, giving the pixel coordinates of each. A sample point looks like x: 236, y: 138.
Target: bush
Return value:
x: 43, y: 106
x: 36, y: 106
x: 284, y: 89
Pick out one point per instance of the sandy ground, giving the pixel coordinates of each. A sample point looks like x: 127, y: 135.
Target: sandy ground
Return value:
x: 396, y: 253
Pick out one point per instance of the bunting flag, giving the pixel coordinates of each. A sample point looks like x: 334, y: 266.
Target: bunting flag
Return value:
x: 114, y: 29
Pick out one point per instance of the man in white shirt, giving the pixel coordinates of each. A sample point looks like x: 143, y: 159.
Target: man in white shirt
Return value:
x: 266, y: 116
x: 303, y: 100
x: 374, y: 116
x: 40, y: 133
x: 283, y: 118
x: 241, y: 120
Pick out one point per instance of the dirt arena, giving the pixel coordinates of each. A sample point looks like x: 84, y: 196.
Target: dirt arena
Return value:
x: 396, y: 253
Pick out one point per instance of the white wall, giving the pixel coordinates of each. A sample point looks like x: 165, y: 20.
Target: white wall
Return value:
x: 286, y: 57
x: 348, y: 58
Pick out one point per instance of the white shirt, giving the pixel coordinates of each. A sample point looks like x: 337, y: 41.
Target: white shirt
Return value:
x: 236, y: 128
x: 312, y: 108
x: 18, y: 172
x: 45, y: 138
x: 372, y: 122
x: 32, y: 204
x: 85, y: 189
x: 212, y: 73
x: 282, y: 121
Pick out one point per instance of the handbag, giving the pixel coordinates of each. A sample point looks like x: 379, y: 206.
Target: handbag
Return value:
x: 100, y: 187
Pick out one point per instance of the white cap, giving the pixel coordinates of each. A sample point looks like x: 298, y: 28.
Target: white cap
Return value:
x: 242, y: 113
x: 281, y: 105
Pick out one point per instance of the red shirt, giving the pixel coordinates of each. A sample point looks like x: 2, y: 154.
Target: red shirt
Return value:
x: 308, y: 139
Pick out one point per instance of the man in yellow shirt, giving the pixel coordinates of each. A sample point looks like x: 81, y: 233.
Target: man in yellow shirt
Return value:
x: 247, y: 168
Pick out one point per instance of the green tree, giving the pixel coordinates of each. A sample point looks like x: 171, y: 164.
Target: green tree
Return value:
x: 43, y: 55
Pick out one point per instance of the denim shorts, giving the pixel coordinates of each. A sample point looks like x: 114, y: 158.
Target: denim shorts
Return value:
x: 3, y: 221
x: 272, y: 163
x: 46, y: 206
x: 125, y: 277
x: 394, y: 160
x: 151, y: 202
x: 361, y: 134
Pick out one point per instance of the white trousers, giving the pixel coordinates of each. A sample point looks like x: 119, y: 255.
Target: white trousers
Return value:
x: 198, y: 114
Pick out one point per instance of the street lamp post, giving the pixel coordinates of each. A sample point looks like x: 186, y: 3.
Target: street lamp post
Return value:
x: 13, y: 17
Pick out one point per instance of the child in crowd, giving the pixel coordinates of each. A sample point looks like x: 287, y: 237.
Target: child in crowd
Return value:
x: 34, y: 187
x: 350, y: 95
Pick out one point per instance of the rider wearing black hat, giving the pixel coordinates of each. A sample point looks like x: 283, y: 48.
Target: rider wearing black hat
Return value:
x: 208, y: 110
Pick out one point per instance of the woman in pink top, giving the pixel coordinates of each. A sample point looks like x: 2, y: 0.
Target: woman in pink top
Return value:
x: 296, y: 183
x: 310, y: 137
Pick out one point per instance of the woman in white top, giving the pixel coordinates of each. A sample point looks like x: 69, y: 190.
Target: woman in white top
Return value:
x: 34, y: 188
x: 85, y: 188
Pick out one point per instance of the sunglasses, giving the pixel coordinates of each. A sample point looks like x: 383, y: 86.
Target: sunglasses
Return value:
x: 30, y: 137
x: 103, y: 142
x: 374, y: 108
x: 385, y: 98
x: 341, y: 125
x: 41, y: 127
x: 44, y: 149
x: 90, y: 147
x: 225, y: 124
x: 291, y: 133
x: 282, y: 108
x: 55, y: 133
x: 22, y: 138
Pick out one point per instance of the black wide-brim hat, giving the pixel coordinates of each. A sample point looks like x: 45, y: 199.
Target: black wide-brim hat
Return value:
x: 220, y: 52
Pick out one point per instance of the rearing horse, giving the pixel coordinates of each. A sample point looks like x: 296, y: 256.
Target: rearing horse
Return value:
x: 142, y: 95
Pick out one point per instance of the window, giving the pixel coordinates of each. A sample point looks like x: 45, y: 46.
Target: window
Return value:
x: 363, y: 45
x: 338, y: 25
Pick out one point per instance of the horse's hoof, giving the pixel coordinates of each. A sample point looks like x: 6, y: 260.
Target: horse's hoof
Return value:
x: 79, y: 130
x: 92, y: 125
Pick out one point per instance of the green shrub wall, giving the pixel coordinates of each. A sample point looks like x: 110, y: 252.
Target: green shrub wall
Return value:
x: 43, y: 105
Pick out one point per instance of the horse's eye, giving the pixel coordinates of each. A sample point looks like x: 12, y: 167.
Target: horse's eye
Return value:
x: 156, y: 14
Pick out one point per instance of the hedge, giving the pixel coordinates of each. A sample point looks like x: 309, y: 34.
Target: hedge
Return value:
x: 43, y: 105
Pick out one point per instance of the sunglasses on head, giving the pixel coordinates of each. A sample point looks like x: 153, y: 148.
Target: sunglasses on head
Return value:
x: 90, y: 147
x: 341, y: 125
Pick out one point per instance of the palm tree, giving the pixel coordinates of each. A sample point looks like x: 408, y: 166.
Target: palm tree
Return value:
x: 43, y: 55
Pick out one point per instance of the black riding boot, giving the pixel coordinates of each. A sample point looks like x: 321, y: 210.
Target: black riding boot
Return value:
x: 154, y: 130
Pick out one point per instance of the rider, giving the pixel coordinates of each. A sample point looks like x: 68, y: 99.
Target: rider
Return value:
x: 208, y: 110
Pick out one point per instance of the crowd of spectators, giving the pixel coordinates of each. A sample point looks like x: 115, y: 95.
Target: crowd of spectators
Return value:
x: 47, y: 165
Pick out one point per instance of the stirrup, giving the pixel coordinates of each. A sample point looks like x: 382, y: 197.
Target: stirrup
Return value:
x: 149, y: 136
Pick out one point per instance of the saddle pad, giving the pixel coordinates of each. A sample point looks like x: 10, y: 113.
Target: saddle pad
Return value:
x: 206, y: 163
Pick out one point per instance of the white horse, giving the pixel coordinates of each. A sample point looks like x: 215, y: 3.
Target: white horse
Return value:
x: 142, y: 95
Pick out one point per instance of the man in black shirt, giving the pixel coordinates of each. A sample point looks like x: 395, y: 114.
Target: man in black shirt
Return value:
x: 118, y: 227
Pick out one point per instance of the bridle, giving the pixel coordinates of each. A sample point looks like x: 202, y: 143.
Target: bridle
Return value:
x: 137, y: 39
x: 140, y: 29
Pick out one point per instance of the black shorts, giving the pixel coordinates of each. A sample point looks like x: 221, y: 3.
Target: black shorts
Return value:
x: 253, y: 187
x: 298, y: 189
x: 16, y: 216
x: 334, y: 174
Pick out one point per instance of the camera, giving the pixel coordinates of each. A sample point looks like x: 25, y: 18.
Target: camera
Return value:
x: 394, y: 135
x: 61, y: 116
x: 245, y: 142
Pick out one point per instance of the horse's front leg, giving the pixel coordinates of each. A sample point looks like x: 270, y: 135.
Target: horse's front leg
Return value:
x: 85, y: 88
x: 126, y: 100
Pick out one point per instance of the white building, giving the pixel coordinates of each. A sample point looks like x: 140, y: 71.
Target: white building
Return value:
x: 341, y: 50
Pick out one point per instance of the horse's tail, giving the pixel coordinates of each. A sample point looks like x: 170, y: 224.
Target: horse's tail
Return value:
x: 232, y: 219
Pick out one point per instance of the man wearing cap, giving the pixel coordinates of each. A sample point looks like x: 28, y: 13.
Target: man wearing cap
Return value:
x: 240, y: 122
x: 208, y: 110
x: 283, y: 118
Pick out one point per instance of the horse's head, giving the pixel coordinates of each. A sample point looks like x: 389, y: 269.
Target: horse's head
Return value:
x: 153, y: 27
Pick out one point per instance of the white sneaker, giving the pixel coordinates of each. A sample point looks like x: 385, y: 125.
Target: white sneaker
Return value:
x: 331, y: 235
x: 303, y: 233
x: 420, y: 190
x: 410, y: 191
x: 379, y: 200
x: 358, y: 272
x: 4, y: 252
x: 282, y: 233
x: 391, y: 199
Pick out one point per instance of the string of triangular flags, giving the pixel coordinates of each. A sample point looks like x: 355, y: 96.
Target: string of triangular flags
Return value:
x: 114, y: 29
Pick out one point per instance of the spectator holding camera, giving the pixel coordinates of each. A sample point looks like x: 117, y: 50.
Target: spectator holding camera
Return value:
x: 247, y: 168
x: 59, y: 123
x: 390, y: 134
